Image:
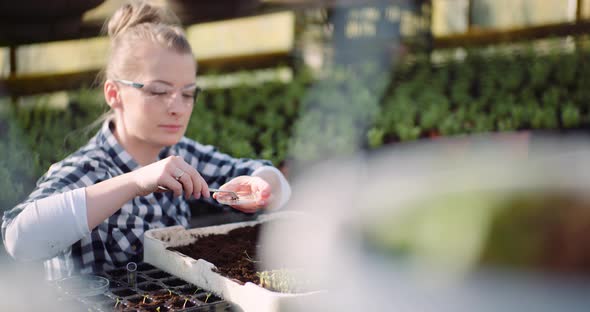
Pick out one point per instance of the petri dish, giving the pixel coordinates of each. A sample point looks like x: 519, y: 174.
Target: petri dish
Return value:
x: 83, y: 285
x: 243, y: 198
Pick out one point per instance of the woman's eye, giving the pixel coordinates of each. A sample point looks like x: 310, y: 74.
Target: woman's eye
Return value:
x: 156, y: 92
x: 188, y: 95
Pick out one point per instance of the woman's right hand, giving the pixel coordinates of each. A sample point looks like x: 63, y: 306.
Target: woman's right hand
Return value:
x: 172, y: 173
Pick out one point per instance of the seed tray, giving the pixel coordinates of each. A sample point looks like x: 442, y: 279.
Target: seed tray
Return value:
x: 247, y: 297
x: 155, y: 290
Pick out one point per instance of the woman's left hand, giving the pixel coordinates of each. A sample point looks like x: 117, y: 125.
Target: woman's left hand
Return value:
x: 259, y: 189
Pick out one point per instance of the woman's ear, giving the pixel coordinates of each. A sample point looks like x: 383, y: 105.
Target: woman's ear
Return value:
x: 111, y: 94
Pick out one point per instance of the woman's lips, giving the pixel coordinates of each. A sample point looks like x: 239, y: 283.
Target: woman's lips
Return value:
x: 171, y: 128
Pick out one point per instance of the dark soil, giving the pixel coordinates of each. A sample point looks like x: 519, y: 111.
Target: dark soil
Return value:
x: 235, y: 254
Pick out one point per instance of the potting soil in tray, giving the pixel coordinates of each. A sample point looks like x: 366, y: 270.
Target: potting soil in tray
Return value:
x: 235, y: 254
x: 155, y: 290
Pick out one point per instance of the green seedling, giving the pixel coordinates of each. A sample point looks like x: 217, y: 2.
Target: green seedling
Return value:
x: 144, y: 297
x: 117, y: 302
x: 250, y: 258
x: 281, y: 280
x: 158, y: 309
x: 170, y: 292
x: 184, y: 304
x: 207, y: 298
x: 197, y: 290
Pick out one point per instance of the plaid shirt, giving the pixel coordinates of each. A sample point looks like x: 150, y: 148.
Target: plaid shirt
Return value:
x: 119, y: 239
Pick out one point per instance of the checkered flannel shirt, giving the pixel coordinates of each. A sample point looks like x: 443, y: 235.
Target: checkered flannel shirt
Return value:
x: 119, y: 239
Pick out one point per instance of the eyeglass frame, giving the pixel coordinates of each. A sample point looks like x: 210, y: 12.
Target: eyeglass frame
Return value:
x: 138, y: 85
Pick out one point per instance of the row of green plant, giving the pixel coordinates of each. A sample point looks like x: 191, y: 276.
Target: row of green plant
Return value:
x: 333, y: 113
x: 483, y: 93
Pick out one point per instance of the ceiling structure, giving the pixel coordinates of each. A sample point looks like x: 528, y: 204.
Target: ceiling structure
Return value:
x: 35, y: 21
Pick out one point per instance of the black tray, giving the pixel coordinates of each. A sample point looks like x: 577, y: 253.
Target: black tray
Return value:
x: 158, y: 288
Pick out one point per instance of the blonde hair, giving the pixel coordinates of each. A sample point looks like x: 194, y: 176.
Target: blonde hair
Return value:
x: 138, y: 21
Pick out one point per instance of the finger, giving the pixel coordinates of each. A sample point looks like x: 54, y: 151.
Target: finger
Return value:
x: 162, y: 189
x: 187, y: 184
x: 262, y: 187
x: 248, y: 208
x: 170, y: 183
x: 194, y: 176
x: 261, y: 203
x: 197, y: 182
x: 265, y: 192
x: 204, y: 187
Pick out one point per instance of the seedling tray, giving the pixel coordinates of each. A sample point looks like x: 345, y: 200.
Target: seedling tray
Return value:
x: 249, y: 297
x: 154, y: 289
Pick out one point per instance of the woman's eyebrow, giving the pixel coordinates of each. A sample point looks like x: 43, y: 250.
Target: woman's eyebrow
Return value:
x: 190, y: 86
x: 187, y: 86
x: 162, y: 82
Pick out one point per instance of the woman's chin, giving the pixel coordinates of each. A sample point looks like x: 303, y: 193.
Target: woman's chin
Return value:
x: 169, y: 140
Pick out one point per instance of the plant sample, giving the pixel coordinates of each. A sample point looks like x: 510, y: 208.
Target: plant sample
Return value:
x: 281, y: 280
x: 117, y: 302
x: 375, y: 137
x: 570, y: 116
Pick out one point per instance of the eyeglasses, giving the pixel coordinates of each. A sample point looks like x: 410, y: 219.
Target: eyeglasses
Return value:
x: 163, y: 91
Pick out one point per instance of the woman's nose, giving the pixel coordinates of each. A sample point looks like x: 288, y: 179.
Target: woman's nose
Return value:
x: 177, y: 103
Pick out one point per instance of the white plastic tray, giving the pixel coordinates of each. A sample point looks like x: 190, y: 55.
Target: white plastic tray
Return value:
x: 249, y: 297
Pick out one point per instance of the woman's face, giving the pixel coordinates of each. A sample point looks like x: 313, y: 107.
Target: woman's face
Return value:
x: 158, y: 113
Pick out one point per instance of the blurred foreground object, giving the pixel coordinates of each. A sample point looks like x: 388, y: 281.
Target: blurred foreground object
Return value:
x: 436, y: 226
x: 23, y: 288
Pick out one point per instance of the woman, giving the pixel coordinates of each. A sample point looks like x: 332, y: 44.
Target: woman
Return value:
x: 89, y: 212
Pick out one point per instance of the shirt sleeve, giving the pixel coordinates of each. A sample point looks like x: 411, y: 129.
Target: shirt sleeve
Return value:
x: 47, y: 226
x: 54, y: 216
x: 281, y: 190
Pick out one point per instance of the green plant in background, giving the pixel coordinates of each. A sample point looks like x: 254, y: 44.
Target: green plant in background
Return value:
x: 33, y: 138
x: 570, y: 116
x: 545, y: 118
x: 336, y: 113
x: 483, y: 124
x: 332, y: 114
x: 375, y: 137
x: 407, y: 131
x: 433, y: 114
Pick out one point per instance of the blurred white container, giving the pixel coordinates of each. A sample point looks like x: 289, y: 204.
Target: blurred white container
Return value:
x: 344, y: 199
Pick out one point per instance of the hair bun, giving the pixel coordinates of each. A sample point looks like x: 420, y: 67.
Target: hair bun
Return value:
x: 137, y: 12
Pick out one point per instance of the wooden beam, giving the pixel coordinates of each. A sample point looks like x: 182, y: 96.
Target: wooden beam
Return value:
x: 314, y: 4
x: 12, y: 56
x: 12, y: 61
x: 44, y: 83
x: 469, y: 14
x: 45, y: 33
x: 12, y: 34
x: 477, y: 37
x: 244, y: 62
